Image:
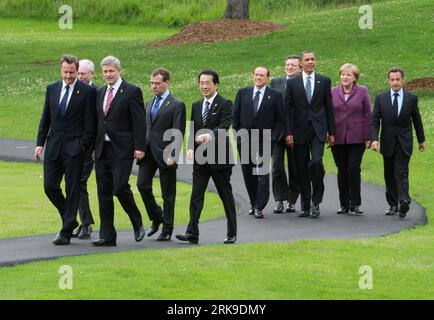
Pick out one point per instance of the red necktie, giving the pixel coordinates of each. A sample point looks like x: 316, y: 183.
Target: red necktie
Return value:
x: 109, y: 100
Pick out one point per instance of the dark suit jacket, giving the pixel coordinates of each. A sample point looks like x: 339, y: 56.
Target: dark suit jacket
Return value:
x: 299, y: 112
x: 125, y: 122
x: 393, y: 127
x: 219, y: 117
x: 73, y: 133
x: 279, y: 84
x: 171, y: 115
x: 269, y: 115
x: 352, y: 116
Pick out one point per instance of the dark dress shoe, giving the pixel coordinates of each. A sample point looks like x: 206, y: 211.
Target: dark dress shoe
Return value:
x: 251, y: 211
x: 315, y: 211
x: 258, y: 214
x: 290, y: 207
x: 104, y: 243
x: 391, y: 211
x: 304, y: 214
x: 85, y: 233
x: 342, y: 210
x: 164, y: 237
x: 76, y: 233
x: 154, y: 228
x: 403, y: 209
x: 61, y: 241
x: 139, y: 234
x: 356, y: 210
x: 188, y: 237
x: 279, y: 207
x: 230, y: 240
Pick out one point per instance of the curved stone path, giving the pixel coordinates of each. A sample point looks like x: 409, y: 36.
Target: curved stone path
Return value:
x: 273, y: 228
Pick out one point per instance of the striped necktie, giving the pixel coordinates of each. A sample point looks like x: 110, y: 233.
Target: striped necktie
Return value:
x: 205, y: 113
x: 109, y: 100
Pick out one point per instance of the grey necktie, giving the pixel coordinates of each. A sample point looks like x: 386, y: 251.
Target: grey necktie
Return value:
x: 308, y: 90
x: 256, y: 103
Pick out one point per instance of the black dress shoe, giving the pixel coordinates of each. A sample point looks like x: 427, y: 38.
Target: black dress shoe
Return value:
x: 61, y: 240
x: 139, y: 234
x: 251, y: 211
x: 391, y: 211
x: 76, y: 233
x: 342, y: 210
x: 164, y: 237
x: 356, y: 210
x: 258, y: 214
x: 188, y: 237
x: 230, y: 240
x: 279, y: 207
x: 403, y: 209
x: 154, y: 228
x: 86, y: 232
x: 315, y: 211
x: 304, y: 214
x: 104, y: 243
x: 290, y: 207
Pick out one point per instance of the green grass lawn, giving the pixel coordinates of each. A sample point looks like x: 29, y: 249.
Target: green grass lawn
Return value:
x: 403, y: 264
x: 25, y: 209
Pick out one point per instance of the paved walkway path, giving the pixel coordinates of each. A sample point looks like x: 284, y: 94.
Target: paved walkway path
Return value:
x: 273, y: 228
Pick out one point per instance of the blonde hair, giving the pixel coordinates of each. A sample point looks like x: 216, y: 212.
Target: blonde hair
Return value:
x: 353, y: 68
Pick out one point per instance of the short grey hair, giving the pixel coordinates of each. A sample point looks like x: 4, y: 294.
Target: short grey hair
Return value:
x: 87, y: 64
x: 112, y: 61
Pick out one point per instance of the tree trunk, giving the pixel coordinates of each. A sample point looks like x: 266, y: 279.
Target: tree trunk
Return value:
x: 237, y: 9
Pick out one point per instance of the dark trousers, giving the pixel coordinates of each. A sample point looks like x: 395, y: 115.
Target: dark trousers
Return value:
x: 147, y: 172
x: 257, y: 185
x: 221, y: 178
x: 348, y: 158
x: 112, y: 176
x: 54, y: 170
x: 310, y: 169
x: 396, y: 176
x: 284, y: 188
x: 84, y: 207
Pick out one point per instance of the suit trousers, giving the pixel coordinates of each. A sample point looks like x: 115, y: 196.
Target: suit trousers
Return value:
x: 67, y: 206
x: 310, y: 169
x: 112, y: 176
x: 284, y: 188
x: 396, y: 176
x: 84, y: 207
x: 348, y: 158
x: 221, y: 178
x: 257, y: 183
x: 147, y: 171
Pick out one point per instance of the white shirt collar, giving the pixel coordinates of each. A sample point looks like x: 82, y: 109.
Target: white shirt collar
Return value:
x: 305, y: 75
x: 400, y: 92
x: 71, y: 86
x: 210, y: 100
x: 116, y: 85
x: 262, y: 90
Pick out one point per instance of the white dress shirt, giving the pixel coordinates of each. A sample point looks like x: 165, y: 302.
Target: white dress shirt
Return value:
x: 62, y: 93
x: 261, y: 95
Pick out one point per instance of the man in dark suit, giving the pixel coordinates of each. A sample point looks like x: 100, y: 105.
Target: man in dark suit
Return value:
x: 285, y: 189
x: 68, y: 127
x: 211, y: 117
x: 86, y: 71
x: 310, y: 124
x: 165, y: 118
x: 394, y: 111
x: 120, y: 140
x: 257, y: 110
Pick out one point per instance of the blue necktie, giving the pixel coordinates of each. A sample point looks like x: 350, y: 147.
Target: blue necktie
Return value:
x: 395, y: 103
x: 205, y: 113
x: 308, y: 90
x: 63, y: 103
x: 155, y: 108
